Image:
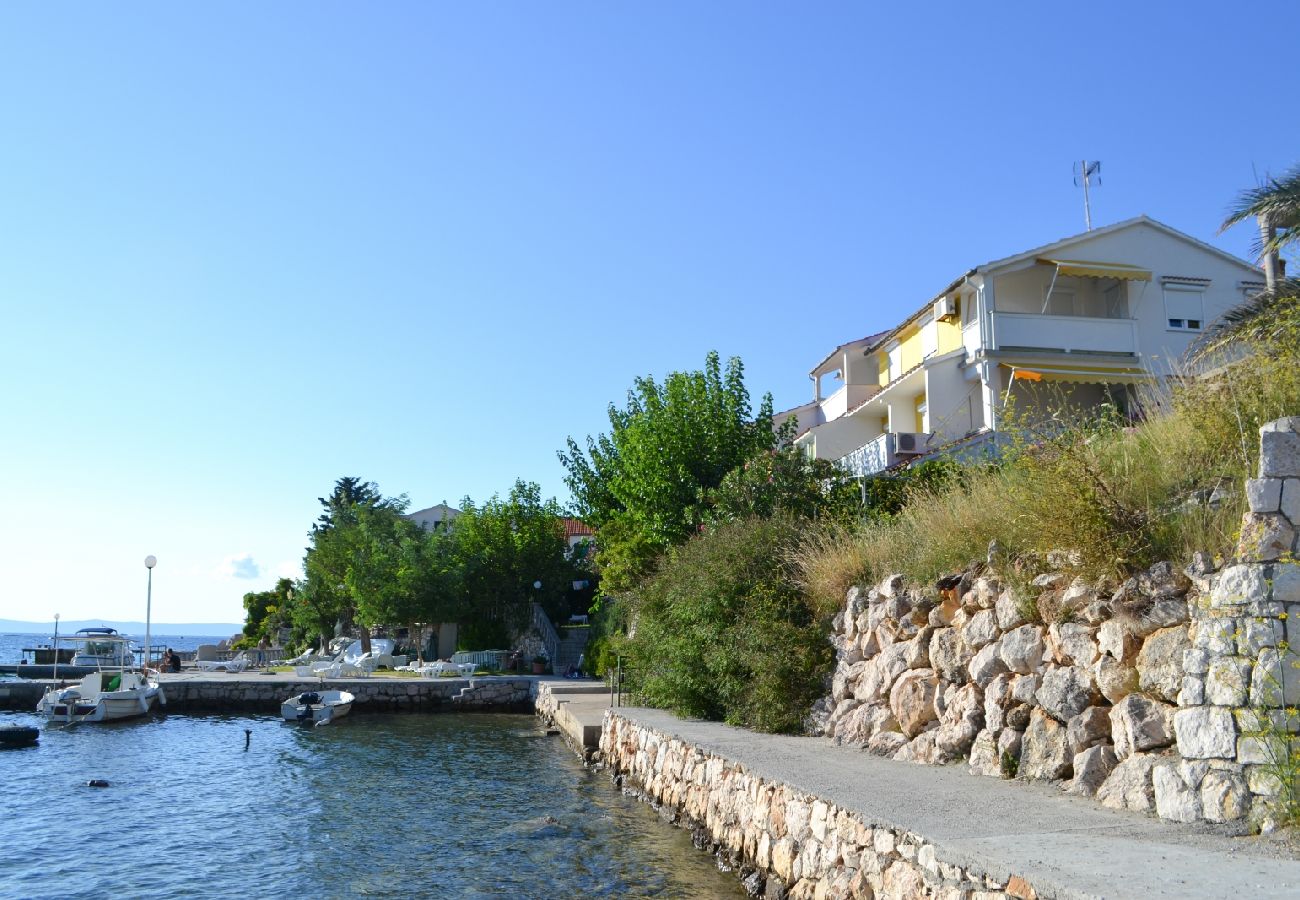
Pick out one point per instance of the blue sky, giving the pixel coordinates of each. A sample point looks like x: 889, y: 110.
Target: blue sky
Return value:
x: 246, y: 249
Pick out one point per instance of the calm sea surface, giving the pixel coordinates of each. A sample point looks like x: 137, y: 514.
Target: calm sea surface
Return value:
x: 384, y: 805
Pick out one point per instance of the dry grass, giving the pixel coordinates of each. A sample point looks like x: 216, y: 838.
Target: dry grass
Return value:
x: 1122, y: 496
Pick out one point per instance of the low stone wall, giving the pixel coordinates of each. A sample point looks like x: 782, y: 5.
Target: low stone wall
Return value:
x: 783, y: 842
x: 372, y: 695
x: 1148, y: 695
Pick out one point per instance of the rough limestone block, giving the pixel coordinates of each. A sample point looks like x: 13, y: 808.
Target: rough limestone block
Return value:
x: 1008, y: 612
x: 1239, y: 585
x: 1065, y: 692
x: 981, y: 630
x: 1160, y: 663
x: 912, y: 700
x: 1115, y: 680
x: 1130, y: 785
x: 1289, y: 503
x: 1218, y: 637
x: 987, y: 664
x: 1044, y: 753
x: 1091, y: 769
x: 1276, y: 677
x: 1139, y: 723
x: 1115, y: 640
x: 1022, y: 648
x: 1264, y: 494
x: 1196, y: 661
x: 949, y: 654
x: 891, y: 586
x: 886, y: 743
x: 1010, y: 742
x: 1286, y: 582
x: 1265, y: 537
x: 1088, y: 728
x: 1227, y: 681
x: 1225, y: 796
x: 997, y: 699
x: 984, y: 755
x: 1192, y: 692
x: 1206, y: 732
x: 1176, y: 801
x: 1279, y: 449
x: 1260, y: 633
x: 1073, y: 643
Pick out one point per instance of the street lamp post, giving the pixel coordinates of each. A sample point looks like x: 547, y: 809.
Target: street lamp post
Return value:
x: 149, y: 562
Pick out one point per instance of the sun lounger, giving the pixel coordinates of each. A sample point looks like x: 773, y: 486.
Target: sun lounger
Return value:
x: 237, y: 664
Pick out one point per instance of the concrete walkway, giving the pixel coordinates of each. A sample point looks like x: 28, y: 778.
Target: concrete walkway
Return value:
x: 1064, y: 846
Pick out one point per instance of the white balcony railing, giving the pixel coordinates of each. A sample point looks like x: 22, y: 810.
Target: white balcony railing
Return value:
x: 882, y: 452
x: 1069, y: 333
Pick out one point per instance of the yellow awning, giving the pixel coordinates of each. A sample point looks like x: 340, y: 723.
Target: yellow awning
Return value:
x: 1079, y: 374
x: 1081, y: 268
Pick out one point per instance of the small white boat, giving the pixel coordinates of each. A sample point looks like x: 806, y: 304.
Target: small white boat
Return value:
x: 316, y: 706
x: 104, y: 695
x: 101, y: 697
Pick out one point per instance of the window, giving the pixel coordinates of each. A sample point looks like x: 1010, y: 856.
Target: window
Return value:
x: 929, y: 337
x: 895, y: 352
x: 1184, y: 303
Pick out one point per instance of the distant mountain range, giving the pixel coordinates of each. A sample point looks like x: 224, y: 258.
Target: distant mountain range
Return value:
x: 67, y: 626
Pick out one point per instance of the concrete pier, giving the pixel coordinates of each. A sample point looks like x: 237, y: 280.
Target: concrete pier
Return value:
x: 263, y: 692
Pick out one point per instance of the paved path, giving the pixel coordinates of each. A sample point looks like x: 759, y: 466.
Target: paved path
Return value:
x: 1065, y: 846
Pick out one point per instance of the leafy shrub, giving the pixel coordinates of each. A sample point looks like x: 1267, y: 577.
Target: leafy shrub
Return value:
x: 723, y: 632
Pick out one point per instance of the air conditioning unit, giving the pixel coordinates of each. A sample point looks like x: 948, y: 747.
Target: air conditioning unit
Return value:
x: 910, y: 444
x: 945, y: 308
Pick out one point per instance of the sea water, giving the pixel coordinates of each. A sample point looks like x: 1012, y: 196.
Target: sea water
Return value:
x: 384, y: 805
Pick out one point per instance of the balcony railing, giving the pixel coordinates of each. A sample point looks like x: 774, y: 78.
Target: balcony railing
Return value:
x: 1069, y: 333
x: 887, y: 450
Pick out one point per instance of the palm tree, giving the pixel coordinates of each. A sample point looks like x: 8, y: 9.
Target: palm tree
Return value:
x: 1271, y: 317
x: 1276, y: 204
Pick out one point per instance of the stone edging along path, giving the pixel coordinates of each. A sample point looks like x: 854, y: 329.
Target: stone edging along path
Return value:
x: 800, y: 817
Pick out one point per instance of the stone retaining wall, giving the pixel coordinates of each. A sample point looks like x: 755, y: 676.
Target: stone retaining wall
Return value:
x: 372, y: 695
x: 1147, y: 695
x: 783, y: 842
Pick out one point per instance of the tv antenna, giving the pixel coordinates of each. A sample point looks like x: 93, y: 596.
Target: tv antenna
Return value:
x: 1084, y: 173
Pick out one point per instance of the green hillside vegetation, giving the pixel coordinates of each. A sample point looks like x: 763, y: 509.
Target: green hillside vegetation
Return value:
x: 727, y: 614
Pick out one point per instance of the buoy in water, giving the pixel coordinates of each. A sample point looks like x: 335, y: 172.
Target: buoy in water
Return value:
x: 96, y: 782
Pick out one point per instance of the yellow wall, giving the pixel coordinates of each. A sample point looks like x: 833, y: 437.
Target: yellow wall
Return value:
x: 948, y: 333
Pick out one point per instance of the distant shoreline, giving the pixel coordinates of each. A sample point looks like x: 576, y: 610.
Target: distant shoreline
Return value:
x: 215, y: 629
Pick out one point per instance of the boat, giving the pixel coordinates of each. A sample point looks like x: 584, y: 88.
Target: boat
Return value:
x: 317, y: 706
x: 104, y: 695
x: 102, y: 647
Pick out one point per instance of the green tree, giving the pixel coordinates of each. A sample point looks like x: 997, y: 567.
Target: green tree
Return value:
x: 339, y: 545
x: 784, y: 480
x: 671, y: 443
x: 501, y: 549
x: 266, y: 612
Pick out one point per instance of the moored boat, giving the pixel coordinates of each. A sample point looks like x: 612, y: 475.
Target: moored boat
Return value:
x: 103, y: 695
x: 317, y: 706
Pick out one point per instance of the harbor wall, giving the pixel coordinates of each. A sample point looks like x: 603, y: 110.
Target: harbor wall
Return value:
x: 783, y: 841
x: 263, y: 694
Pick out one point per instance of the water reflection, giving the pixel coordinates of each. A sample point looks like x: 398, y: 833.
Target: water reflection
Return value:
x: 373, y: 805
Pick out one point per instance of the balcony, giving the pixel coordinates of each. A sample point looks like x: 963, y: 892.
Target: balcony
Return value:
x: 888, y: 450
x: 1072, y: 334
x: 849, y: 396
